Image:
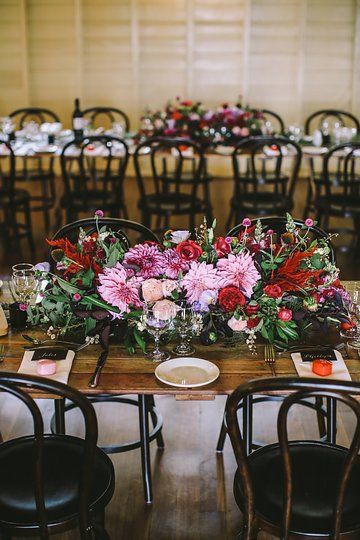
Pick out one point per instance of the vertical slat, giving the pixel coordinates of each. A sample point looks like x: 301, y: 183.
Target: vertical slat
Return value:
x: 355, y: 101
x: 24, y: 53
x: 246, y: 53
x: 79, y: 49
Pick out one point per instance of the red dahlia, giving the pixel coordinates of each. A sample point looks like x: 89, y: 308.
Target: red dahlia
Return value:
x: 230, y: 298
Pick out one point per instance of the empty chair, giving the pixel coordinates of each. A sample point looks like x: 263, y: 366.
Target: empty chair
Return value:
x: 265, y: 172
x: 15, y: 221
x: 272, y: 122
x: 52, y: 483
x: 330, y: 119
x: 108, y: 117
x: 300, y: 488
x: 93, y: 173
x: 180, y: 184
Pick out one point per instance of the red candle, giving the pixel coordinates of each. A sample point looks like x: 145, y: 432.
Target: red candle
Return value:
x: 322, y: 367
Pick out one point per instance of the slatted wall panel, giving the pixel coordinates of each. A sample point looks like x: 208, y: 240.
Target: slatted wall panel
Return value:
x: 274, y: 55
x: 13, y: 91
x: 217, y: 34
x: 329, y: 54
x: 107, y: 72
x: 161, y: 51
x: 52, y: 55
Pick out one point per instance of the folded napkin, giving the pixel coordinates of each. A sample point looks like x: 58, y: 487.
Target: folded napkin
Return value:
x: 63, y: 367
x: 304, y: 369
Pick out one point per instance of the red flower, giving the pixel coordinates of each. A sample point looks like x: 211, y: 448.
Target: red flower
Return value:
x: 252, y: 309
x: 230, y: 298
x: 274, y: 291
x: 186, y: 103
x: 189, y: 250
x: 285, y: 314
x: 253, y: 322
x: 176, y: 115
x: 347, y: 325
x: 222, y: 247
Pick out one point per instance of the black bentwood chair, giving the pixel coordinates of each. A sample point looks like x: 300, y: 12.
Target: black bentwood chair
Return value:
x: 297, y: 489
x: 272, y: 121
x: 182, y: 191
x: 145, y: 403
x: 331, y: 116
x: 39, y: 170
x: 93, y: 172
x: 261, y: 186
x: 13, y: 202
x: 111, y: 116
x: 328, y: 430
x: 52, y: 483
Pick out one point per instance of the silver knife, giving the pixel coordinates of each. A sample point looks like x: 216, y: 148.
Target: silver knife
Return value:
x: 100, y: 364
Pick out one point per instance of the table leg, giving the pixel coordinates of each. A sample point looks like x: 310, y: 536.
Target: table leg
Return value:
x: 247, y: 423
x: 145, y: 447
x: 59, y: 416
x: 331, y: 406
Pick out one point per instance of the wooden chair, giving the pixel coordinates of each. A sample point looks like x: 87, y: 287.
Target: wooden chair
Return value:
x: 109, y: 114
x: 298, y: 489
x: 52, y: 483
x: 94, y: 181
x: 180, y: 191
x: 145, y: 403
x: 274, y: 118
x: 261, y: 186
x: 13, y: 203
x: 38, y: 170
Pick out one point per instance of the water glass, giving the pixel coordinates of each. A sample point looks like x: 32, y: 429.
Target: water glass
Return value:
x: 24, y: 281
x: 156, y: 326
x: 187, y: 323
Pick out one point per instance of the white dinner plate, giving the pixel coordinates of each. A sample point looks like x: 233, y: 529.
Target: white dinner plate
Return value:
x: 187, y: 372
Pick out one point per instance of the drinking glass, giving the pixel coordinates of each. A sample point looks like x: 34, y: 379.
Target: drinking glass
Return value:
x: 187, y: 323
x: 156, y: 326
x: 24, y: 281
x: 354, y: 337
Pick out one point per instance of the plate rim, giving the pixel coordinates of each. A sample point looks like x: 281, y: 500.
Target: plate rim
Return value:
x: 178, y: 385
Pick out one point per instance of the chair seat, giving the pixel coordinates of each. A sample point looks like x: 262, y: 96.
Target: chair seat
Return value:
x: 62, y: 465
x: 89, y: 197
x: 317, y: 469
x: 265, y: 200
x: 336, y: 205
x: 20, y: 196
x: 172, y: 202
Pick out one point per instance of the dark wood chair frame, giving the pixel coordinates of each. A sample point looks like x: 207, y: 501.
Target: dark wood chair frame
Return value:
x: 145, y: 403
x: 110, y: 112
x: 18, y: 385
x: 326, y: 416
x: 325, y: 113
x: 299, y: 389
x: 267, y: 113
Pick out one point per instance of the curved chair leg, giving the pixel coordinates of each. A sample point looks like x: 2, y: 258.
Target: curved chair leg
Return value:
x: 159, y: 438
x: 98, y: 525
x: 145, y: 447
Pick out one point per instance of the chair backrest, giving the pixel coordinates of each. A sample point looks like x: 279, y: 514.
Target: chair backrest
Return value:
x: 343, y: 118
x: 299, y: 389
x: 265, y: 166
x: 157, y: 153
x: 96, y: 115
x: 19, y: 385
x: 341, y: 174
x: 278, y: 225
x: 37, y: 114
x: 7, y: 171
x: 276, y: 123
x: 113, y: 154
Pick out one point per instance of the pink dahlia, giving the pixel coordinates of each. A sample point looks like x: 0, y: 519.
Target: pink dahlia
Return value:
x: 174, y: 264
x: 147, y: 260
x: 200, y: 277
x: 238, y: 270
x: 117, y: 290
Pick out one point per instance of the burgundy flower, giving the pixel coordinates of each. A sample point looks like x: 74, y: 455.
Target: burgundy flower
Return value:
x: 230, y: 298
x: 189, y: 250
x: 222, y: 246
x: 253, y: 322
x: 285, y: 314
x: 274, y: 291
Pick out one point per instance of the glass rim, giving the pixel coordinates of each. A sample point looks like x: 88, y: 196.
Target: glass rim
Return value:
x: 21, y: 267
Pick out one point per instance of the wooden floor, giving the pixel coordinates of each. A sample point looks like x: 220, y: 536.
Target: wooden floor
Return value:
x: 192, y: 484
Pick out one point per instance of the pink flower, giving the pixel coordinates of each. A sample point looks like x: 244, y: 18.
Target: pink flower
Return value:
x: 23, y: 307
x: 148, y: 260
x: 168, y: 287
x: 246, y: 222
x: 99, y: 213
x: 270, y: 232
x: 201, y: 277
x: 239, y: 271
x: 164, y: 310
x: 245, y: 132
x: 285, y: 314
x: 237, y: 325
x: 173, y: 264
x: 152, y: 290
x: 117, y: 290
x: 77, y: 297
x: 309, y: 222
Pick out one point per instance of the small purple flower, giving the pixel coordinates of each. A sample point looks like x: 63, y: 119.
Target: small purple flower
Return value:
x: 23, y: 307
x: 99, y: 213
x: 60, y: 266
x: 246, y: 222
x: 77, y: 297
x: 42, y: 266
x: 309, y: 222
x: 228, y: 239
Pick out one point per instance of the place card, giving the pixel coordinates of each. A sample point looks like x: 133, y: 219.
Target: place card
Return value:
x: 304, y: 369
x: 63, y: 366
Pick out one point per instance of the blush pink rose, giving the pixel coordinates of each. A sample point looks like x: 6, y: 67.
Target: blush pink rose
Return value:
x: 285, y: 314
x: 168, y: 286
x: 152, y: 290
x: 237, y: 325
x: 164, y: 309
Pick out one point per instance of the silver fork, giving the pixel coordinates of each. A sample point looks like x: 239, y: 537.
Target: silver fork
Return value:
x: 269, y: 357
x: 2, y: 353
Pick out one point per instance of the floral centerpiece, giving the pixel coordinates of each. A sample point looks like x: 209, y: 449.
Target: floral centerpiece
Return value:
x: 254, y: 284
x: 225, y: 124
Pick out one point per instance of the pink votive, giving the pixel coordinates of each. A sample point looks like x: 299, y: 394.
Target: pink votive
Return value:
x: 46, y: 367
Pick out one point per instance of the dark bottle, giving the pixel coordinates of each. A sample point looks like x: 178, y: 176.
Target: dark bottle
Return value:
x: 78, y: 121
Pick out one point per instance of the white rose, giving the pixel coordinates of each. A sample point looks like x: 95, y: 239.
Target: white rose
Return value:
x: 179, y: 236
x: 237, y: 325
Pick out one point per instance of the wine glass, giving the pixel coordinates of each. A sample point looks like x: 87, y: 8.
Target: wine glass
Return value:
x: 187, y: 323
x: 24, y: 281
x: 156, y: 325
x: 354, y: 337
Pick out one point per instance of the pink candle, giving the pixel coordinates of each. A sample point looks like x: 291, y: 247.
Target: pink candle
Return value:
x: 46, y: 367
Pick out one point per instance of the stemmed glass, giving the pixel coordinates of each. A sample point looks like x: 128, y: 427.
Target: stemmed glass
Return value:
x: 354, y: 337
x: 156, y: 326
x: 24, y: 281
x: 187, y: 323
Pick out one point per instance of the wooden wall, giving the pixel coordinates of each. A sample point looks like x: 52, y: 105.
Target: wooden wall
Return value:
x: 293, y: 56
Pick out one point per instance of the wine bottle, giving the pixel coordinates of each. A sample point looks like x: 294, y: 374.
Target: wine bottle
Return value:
x: 78, y: 121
